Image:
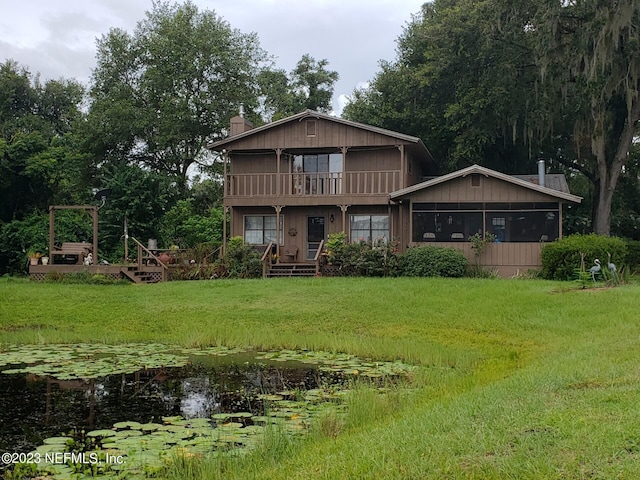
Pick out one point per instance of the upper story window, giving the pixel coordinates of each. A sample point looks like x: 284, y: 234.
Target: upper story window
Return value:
x: 318, y: 174
x: 311, y: 128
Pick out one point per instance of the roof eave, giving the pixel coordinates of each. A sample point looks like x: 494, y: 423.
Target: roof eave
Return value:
x: 312, y: 113
x: 487, y: 173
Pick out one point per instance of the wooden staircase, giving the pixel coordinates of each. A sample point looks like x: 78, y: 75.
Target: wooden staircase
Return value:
x: 136, y: 275
x: 291, y: 270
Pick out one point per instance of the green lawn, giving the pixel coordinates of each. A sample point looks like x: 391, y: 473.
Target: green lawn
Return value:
x: 518, y: 378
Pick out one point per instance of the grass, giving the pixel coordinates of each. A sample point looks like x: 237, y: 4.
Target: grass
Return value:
x: 517, y: 379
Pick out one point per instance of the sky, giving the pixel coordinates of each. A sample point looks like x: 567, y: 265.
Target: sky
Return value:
x: 57, y: 38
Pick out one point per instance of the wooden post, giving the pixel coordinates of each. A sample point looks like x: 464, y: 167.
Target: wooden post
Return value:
x: 126, y: 240
x: 94, y: 215
x: 278, y: 182
x: 51, y: 232
x: 343, y: 208
x: 278, y: 210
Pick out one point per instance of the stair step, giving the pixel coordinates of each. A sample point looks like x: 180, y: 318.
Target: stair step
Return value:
x: 139, y: 276
x: 291, y: 270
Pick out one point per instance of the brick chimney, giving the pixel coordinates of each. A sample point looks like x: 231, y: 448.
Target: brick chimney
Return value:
x: 239, y: 124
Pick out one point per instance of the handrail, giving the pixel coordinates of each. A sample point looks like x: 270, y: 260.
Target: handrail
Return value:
x: 207, y: 257
x: 267, y: 252
x: 316, y: 259
x: 312, y: 183
x: 266, y: 259
x: 141, y: 247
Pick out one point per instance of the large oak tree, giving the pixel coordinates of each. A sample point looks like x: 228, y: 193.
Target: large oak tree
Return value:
x: 161, y: 94
x: 589, y: 56
x: 503, y: 83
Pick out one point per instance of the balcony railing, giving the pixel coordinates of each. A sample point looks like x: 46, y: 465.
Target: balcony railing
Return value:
x: 310, y: 184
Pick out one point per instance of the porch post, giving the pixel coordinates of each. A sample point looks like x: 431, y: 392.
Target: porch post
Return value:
x: 51, y: 231
x: 225, y: 189
x: 402, y: 166
x: 278, y: 182
x: 94, y: 215
x: 343, y: 174
x: 343, y: 209
x: 278, y: 210
x: 225, y: 211
x: 559, y: 220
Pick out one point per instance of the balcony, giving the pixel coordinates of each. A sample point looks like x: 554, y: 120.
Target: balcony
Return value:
x: 311, y: 184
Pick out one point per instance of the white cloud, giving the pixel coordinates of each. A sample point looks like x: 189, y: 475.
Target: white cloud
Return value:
x: 58, y: 38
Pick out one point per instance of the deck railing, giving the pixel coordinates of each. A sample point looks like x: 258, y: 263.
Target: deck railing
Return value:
x: 318, y: 257
x: 266, y: 259
x: 310, y: 184
x: 150, y: 255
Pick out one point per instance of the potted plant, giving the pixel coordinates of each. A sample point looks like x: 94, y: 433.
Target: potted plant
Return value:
x: 34, y: 257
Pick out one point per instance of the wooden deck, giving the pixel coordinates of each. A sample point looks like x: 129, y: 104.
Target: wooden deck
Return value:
x: 131, y: 272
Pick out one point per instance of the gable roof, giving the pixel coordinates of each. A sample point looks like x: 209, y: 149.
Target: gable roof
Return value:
x: 314, y: 114
x: 559, y: 191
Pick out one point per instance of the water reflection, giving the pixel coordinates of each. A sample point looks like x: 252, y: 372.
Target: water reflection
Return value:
x: 33, y: 408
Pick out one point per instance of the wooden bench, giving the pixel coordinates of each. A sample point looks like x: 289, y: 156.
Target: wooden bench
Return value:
x: 78, y: 249
x: 290, y: 252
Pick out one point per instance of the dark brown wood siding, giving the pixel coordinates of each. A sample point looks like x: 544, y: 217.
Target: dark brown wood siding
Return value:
x: 489, y: 190
x: 295, y: 135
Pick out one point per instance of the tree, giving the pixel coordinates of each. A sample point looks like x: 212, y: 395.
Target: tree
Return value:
x: 503, y: 83
x: 309, y: 86
x: 141, y: 197
x: 461, y: 83
x: 589, y: 57
x: 161, y: 94
x: 40, y: 157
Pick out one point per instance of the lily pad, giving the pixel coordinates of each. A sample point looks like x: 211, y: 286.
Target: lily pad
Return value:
x: 130, y: 425
x: 101, y: 433
x: 57, y: 441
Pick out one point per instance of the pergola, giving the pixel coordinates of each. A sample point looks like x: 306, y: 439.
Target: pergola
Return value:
x: 91, y: 209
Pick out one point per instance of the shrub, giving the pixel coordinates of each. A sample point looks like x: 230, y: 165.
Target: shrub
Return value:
x: 239, y: 261
x: 561, y: 258
x: 363, y: 259
x: 432, y: 261
x: 335, y: 246
x: 633, y: 254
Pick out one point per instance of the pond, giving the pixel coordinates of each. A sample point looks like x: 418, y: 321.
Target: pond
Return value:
x: 142, y: 403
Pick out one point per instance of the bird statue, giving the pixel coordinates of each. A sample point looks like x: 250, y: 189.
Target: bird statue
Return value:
x: 610, y: 264
x: 595, y: 270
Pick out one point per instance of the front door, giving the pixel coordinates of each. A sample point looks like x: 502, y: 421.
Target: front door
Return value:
x: 315, y: 235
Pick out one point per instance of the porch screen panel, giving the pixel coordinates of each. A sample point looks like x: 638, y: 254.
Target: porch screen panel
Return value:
x: 532, y: 226
x: 454, y: 226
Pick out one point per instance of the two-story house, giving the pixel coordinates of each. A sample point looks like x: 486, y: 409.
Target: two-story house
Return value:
x: 296, y: 180
x: 293, y: 182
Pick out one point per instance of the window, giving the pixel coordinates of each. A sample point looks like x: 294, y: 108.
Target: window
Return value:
x: 454, y: 226
x: 509, y: 222
x: 523, y: 226
x: 318, y: 174
x: 261, y: 229
x: 369, y: 228
x: 311, y: 128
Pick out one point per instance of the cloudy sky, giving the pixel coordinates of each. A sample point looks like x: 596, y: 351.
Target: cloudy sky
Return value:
x: 57, y: 37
